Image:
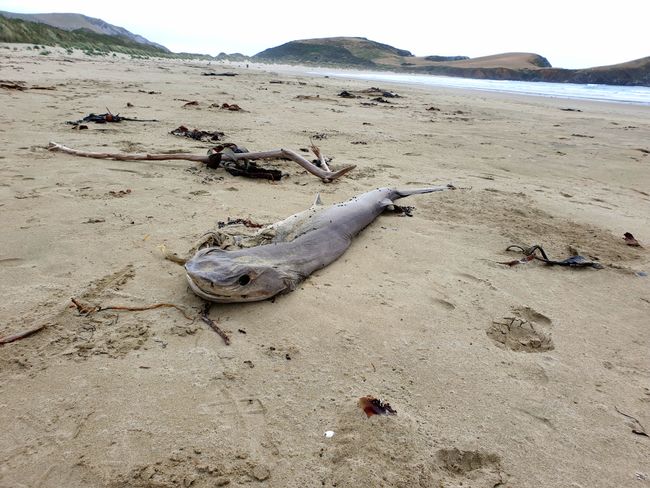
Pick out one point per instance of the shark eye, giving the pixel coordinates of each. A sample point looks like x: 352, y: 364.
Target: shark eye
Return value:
x: 244, y: 280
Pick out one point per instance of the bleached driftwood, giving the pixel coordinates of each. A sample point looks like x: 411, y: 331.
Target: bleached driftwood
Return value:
x: 324, y: 173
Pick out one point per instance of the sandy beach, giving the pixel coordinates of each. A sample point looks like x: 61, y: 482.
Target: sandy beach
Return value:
x: 512, y: 376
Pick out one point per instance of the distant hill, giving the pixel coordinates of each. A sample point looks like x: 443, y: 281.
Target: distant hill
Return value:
x: 632, y: 73
x: 359, y: 51
x: 72, y: 22
x: 16, y: 30
x: 362, y: 53
x: 350, y: 51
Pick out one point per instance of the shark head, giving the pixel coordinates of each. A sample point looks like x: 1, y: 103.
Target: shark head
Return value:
x: 226, y: 276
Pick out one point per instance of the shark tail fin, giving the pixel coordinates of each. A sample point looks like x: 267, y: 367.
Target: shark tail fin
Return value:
x: 415, y: 191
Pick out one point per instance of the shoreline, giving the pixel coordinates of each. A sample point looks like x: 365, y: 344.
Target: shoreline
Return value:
x: 632, y: 94
x: 635, y: 95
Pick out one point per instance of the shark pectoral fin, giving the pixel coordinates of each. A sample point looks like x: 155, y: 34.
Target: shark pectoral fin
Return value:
x: 387, y: 203
x: 289, y: 285
x: 317, y: 201
x: 291, y: 282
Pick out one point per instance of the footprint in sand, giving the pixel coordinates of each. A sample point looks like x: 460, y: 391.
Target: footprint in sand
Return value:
x: 443, y: 304
x: 478, y: 467
x: 194, y: 466
x: 525, y: 331
x: 111, y: 281
x: 403, y: 453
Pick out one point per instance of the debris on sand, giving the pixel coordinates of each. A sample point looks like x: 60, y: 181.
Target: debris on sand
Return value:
x: 22, y: 86
x: 630, y: 240
x: 220, y: 74
x: 233, y: 107
x: 120, y: 193
x: 13, y: 85
x: 310, y: 97
x: 523, y: 260
x: 384, y: 93
x: 239, y: 221
x: 198, y: 135
x: 107, y: 117
x: 374, y: 406
x: 374, y: 94
x: 217, y: 158
x: 99, y: 119
x: 530, y: 253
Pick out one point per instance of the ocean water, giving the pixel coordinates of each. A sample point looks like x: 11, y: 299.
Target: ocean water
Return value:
x: 607, y: 93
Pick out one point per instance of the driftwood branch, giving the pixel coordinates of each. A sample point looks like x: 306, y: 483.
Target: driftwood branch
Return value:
x: 20, y: 335
x: 316, y: 150
x: 53, y: 146
x: 213, y: 325
x: 324, y: 174
x: 216, y: 328
x: 85, y: 309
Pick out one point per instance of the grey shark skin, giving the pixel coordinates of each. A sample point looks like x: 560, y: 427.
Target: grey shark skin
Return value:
x: 302, y: 243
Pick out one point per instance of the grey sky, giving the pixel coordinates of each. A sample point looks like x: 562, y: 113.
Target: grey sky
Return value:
x: 569, y: 33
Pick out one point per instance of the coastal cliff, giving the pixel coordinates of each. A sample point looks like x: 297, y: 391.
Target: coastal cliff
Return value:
x: 359, y: 52
x: 635, y: 73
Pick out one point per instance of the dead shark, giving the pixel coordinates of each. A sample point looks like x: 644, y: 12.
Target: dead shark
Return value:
x: 300, y: 244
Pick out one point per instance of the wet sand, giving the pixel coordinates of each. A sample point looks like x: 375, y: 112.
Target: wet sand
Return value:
x: 520, y: 376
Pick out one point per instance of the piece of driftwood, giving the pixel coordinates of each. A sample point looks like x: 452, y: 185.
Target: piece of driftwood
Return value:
x: 320, y: 156
x: 20, y: 335
x: 86, y: 309
x: 219, y: 156
x: 205, y: 317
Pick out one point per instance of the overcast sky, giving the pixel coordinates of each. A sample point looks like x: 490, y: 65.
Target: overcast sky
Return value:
x: 569, y: 33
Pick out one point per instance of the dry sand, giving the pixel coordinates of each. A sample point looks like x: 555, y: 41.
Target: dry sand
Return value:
x: 410, y: 314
